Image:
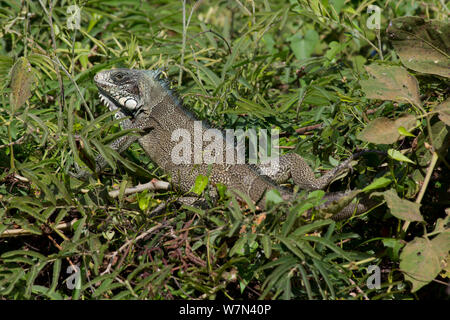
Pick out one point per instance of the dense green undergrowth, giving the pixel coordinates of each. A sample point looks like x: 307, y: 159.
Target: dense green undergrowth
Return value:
x: 319, y: 71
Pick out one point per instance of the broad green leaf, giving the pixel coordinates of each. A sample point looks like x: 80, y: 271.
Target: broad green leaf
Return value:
x: 385, y: 131
x: 401, y: 208
x: 422, y: 260
x: 200, y: 184
x: 391, y: 83
x: 273, y: 196
x: 143, y: 200
x: 311, y: 227
x: 394, y: 244
x: 441, y: 243
x: 337, y: 5
x: 404, y: 132
x: 423, y: 46
x: 21, y: 81
x: 303, y: 46
x: 397, y: 155
x: 378, y: 184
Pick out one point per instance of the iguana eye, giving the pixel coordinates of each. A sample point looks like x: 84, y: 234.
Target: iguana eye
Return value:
x: 118, y: 76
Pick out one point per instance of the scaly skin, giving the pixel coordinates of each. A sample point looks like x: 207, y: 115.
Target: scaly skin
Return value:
x: 153, y: 108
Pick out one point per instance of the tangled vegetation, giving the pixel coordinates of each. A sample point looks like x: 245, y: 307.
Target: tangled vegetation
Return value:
x: 330, y: 75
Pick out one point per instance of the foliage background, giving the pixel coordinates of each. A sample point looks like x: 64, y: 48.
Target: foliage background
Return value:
x: 293, y: 65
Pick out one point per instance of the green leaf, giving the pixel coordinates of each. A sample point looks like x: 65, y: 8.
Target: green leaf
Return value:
x: 394, y: 244
x: 404, y: 132
x: 201, y: 182
x: 316, y: 225
x: 337, y: 5
x: 422, y: 45
x: 273, y: 196
x: 401, y: 208
x: 221, y: 190
x: 335, y: 49
x: 238, y: 247
x: 303, y: 47
x: 246, y: 198
x: 329, y: 244
x: 397, y: 155
x: 21, y: 81
x: 378, y: 184
x: 391, y: 83
x: 444, y: 111
x: 385, y: 131
x: 267, y: 245
x: 292, y: 246
x: 422, y: 260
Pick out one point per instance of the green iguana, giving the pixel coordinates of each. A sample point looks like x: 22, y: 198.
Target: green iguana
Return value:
x: 145, y: 101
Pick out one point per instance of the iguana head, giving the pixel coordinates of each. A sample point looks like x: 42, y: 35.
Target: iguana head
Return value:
x: 129, y: 90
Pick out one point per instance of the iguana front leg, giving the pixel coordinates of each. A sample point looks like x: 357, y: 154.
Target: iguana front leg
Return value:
x: 119, y: 145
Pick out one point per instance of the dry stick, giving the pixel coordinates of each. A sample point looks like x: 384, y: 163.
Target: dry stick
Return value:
x: 309, y: 128
x: 60, y: 249
x: 130, y: 242
x: 18, y: 141
x: 359, y: 289
x: 430, y: 170
x: 152, y: 185
x: 23, y: 232
x: 379, y: 44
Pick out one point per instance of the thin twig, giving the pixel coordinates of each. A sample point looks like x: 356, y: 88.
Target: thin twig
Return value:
x: 18, y: 141
x: 152, y: 185
x: 23, y: 232
x: 419, y: 198
x: 127, y: 245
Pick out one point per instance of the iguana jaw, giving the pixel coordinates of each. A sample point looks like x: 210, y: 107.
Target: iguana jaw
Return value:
x: 117, y: 95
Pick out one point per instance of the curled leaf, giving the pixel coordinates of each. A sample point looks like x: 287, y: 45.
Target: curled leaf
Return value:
x: 21, y: 81
x: 423, y: 46
x: 444, y: 111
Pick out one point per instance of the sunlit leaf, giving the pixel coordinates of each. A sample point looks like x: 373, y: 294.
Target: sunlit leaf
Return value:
x: 422, y: 45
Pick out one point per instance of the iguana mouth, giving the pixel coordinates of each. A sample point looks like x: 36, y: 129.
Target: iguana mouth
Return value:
x: 113, y: 105
x: 108, y: 102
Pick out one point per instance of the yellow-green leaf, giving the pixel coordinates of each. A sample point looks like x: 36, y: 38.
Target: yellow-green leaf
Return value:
x: 397, y: 155
x: 422, y: 45
x: 21, y: 81
x: 385, y: 131
x: 391, y: 83
x: 401, y: 208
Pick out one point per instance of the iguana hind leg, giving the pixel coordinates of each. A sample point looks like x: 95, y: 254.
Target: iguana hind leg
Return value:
x: 292, y: 165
